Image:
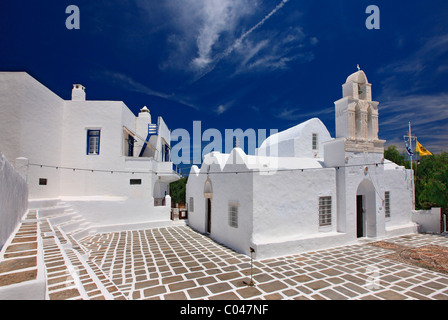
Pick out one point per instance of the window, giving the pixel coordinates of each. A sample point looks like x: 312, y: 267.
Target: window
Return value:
x: 191, y: 204
x: 233, y: 215
x: 135, y: 181
x: 324, y: 211
x: 314, y: 142
x: 42, y: 181
x: 387, y: 204
x: 93, y: 141
x: 130, y: 146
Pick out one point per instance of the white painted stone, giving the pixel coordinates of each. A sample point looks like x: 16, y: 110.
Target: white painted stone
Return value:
x: 52, y: 134
x: 278, y: 189
x: 13, y: 199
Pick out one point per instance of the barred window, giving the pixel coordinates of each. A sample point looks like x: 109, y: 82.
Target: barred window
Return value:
x: 387, y: 204
x: 233, y: 215
x: 191, y: 204
x: 314, y: 141
x: 324, y: 211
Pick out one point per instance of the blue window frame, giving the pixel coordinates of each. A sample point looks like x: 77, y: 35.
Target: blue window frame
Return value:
x: 93, y: 142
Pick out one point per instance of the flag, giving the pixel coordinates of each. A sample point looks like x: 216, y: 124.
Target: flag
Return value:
x: 422, y: 150
x: 408, y: 149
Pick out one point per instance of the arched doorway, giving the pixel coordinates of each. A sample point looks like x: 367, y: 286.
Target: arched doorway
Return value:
x: 365, y: 210
x: 208, y: 194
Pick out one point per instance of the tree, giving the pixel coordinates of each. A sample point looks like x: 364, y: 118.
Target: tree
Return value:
x: 431, y: 182
x: 430, y: 176
x: 178, y: 191
x: 392, y: 154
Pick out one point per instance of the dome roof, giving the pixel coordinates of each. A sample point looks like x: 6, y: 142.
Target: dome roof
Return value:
x: 357, y: 77
x: 291, y: 133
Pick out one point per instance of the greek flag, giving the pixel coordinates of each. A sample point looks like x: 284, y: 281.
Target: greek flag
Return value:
x: 408, y: 148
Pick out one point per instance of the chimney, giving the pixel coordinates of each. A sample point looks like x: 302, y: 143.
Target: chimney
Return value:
x: 78, y: 92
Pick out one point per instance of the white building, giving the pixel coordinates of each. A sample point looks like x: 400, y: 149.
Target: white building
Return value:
x: 304, y: 190
x: 96, y: 155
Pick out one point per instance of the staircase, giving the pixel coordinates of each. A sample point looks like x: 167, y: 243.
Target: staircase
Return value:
x: 60, y: 226
x: 62, y: 215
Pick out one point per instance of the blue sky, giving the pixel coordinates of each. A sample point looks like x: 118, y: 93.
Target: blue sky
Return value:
x: 240, y: 63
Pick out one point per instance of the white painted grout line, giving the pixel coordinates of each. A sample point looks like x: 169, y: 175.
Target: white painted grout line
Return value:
x: 71, y: 268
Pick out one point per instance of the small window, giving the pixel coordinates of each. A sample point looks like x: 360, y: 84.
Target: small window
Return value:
x: 233, y: 215
x: 42, y: 181
x: 135, y: 181
x: 387, y: 204
x: 324, y: 211
x: 314, y: 142
x: 191, y: 205
x: 93, y: 142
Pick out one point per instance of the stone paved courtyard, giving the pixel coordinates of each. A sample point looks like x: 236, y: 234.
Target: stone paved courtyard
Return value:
x: 178, y: 263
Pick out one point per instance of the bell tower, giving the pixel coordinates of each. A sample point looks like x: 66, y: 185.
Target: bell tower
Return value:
x: 357, y: 116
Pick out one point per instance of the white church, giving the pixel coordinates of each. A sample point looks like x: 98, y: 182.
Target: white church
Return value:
x: 304, y: 190
x: 99, y: 157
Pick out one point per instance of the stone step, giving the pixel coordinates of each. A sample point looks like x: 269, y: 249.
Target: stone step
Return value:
x: 53, y: 211
x: 42, y: 203
x: 68, y: 216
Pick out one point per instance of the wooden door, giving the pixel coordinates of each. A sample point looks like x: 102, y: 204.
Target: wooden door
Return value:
x: 209, y: 215
x: 359, y: 217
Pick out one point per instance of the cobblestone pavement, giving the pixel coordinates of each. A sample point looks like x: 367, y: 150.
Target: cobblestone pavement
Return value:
x: 178, y: 263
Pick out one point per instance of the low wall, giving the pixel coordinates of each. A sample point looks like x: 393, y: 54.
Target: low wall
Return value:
x: 428, y: 220
x: 301, y: 244
x: 107, y: 211
x: 13, y: 199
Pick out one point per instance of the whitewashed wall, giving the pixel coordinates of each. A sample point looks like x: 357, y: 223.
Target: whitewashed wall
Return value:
x: 13, y: 199
x: 286, y: 204
x: 398, y: 181
x: 37, y: 124
x: 195, y: 190
x: 228, y: 188
x: 233, y: 189
x: 428, y: 220
x: 297, y: 141
x: 29, y: 110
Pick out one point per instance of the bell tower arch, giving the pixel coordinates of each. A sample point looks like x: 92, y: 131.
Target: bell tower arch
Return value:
x: 357, y: 115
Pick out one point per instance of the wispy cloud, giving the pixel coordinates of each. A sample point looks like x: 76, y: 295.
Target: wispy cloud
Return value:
x: 201, y: 28
x: 205, y: 32
x: 126, y: 82
x: 209, y: 64
x: 405, y: 98
x: 417, y: 70
x: 219, y: 16
x: 428, y: 115
x: 221, y: 109
x: 275, y: 50
x: 298, y: 114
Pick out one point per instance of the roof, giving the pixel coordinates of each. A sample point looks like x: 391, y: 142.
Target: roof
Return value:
x: 253, y: 162
x: 358, y: 77
x: 291, y: 133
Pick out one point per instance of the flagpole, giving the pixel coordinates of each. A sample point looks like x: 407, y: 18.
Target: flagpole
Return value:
x: 412, y: 181
x: 410, y: 141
